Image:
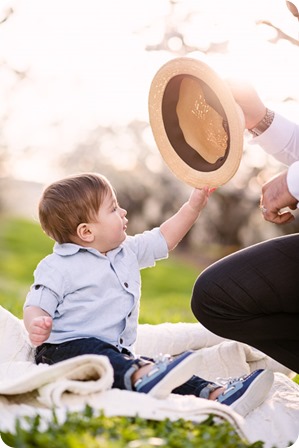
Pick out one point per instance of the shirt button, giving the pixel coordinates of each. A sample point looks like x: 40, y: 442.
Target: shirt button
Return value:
x: 121, y: 340
x: 130, y: 314
x: 126, y: 284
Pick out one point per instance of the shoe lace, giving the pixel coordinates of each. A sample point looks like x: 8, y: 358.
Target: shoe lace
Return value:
x: 162, y: 358
x: 228, y: 381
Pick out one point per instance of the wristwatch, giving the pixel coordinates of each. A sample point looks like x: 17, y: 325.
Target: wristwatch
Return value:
x: 263, y: 124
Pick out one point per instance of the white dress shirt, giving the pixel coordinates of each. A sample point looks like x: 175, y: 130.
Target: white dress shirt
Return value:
x: 281, y: 140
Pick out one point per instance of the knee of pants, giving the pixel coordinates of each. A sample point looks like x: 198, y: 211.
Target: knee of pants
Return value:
x: 202, y: 300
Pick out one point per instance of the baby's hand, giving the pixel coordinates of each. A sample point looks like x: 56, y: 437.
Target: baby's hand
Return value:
x: 40, y: 329
x: 199, y: 198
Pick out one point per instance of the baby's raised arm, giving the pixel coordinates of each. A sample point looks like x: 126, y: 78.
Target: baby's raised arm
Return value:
x: 38, y: 324
x: 176, y: 227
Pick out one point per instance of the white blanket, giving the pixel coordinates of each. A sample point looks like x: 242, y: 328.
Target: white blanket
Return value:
x: 27, y: 389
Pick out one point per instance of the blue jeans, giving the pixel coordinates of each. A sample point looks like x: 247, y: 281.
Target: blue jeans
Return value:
x: 124, y: 363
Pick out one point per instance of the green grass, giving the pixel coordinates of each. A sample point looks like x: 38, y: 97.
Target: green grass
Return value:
x: 166, y: 288
x: 22, y: 244
x: 86, y: 430
x: 166, y: 291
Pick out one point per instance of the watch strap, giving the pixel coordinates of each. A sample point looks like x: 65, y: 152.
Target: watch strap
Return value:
x: 264, y: 124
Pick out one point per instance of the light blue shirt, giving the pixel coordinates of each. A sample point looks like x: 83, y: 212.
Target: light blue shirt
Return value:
x: 89, y: 294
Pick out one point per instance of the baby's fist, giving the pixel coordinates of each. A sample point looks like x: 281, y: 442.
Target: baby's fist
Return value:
x: 40, y: 330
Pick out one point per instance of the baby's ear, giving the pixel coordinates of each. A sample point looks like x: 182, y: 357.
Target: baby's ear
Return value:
x: 85, y: 233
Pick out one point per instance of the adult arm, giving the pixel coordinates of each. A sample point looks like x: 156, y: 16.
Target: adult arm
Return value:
x: 279, y: 138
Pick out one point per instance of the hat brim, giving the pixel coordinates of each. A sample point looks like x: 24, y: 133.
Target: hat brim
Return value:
x: 180, y: 157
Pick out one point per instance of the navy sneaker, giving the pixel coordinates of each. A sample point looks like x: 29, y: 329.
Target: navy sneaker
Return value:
x: 167, y: 374
x: 247, y: 393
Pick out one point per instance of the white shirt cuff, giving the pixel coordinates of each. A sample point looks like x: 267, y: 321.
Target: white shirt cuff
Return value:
x: 280, y: 140
x: 293, y: 180
x: 278, y: 133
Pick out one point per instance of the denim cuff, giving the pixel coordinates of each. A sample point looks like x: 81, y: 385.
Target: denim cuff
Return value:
x: 128, y: 375
x: 205, y: 392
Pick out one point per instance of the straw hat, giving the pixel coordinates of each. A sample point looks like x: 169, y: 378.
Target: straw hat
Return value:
x: 197, y: 125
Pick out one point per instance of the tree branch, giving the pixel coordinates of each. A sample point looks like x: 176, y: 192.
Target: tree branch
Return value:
x: 280, y: 34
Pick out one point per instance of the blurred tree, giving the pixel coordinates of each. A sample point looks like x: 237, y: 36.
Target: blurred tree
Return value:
x: 129, y: 157
x: 280, y: 34
x: 3, y: 149
x: 149, y: 191
x: 123, y: 155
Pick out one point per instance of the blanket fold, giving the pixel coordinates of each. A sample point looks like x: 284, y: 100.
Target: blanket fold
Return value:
x: 81, y: 375
x: 27, y: 389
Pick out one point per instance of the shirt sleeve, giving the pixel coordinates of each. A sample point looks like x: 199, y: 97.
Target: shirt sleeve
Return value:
x: 149, y: 247
x: 281, y: 140
x: 47, y: 290
x: 42, y: 297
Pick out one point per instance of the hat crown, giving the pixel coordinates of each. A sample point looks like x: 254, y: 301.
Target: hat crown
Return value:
x: 201, y: 124
x: 196, y: 123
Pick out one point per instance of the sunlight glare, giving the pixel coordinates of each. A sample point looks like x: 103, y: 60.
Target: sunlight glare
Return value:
x: 86, y: 64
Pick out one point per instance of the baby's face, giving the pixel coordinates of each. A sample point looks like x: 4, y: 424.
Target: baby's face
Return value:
x: 110, y: 224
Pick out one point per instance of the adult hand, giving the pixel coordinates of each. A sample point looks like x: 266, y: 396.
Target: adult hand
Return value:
x: 275, y: 197
x: 248, y: 99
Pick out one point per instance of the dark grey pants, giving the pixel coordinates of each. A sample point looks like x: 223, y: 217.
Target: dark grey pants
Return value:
x: 252, y: 296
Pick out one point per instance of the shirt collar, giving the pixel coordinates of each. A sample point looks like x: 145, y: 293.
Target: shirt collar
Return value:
x: 67, y: 249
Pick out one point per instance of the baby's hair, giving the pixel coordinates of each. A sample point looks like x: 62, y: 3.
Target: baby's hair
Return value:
x: 71, y: 201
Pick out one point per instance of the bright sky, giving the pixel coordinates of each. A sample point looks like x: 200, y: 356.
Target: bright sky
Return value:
x: 87, y: 64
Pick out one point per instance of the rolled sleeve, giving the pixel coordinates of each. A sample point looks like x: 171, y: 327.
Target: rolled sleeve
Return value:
x: 47, y: 291
x: 42, y: 297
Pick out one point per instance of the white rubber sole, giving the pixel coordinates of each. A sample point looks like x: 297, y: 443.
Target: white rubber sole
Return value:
x: 255, y: 394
